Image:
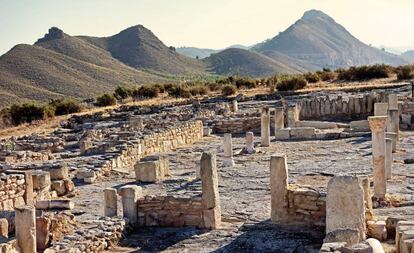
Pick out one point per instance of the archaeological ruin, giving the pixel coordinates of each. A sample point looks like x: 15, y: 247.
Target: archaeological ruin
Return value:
x: 321, y: 171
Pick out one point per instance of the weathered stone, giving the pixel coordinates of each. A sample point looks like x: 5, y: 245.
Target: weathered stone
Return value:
x: 265, y: 127
x: 4, y: 228
x: 59, y: 187
x: 350, y: 236
x: 279, y: 118
x: 228, y: 151
x: 59, y: 173
x: 110, y: 202
x: 130, y: 195
x: 41, y: 179
x: 388, y: 158
x: 375, y: 245
x: 380, y: 109
x: 26, y: 229
x: 42, y: 232
x: 377, y: 125
x: 278, y: 187
x: 250, y: 143
x: 377, y: 230
x: 345, y: 208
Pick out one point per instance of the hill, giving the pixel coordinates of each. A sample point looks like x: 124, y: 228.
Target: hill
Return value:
x: 235, y: 61
x: 317, y: 39
x: 409, y: 54
x: 195, y: 52
x: 35, y: 73
x: 139, y: 48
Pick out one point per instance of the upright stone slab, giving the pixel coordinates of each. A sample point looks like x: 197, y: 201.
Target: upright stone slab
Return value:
x: 292, y: 115
x: 393, y: 137
x: 265, y: 127
x: 369, y: 212
x: 377, y: 125
x: 345, y: 208
x: 279, y: 118
x: 388, y: 158
x: 393, y: 124
x: 380, y: 109
x: 210, y: 192
x: 130, y: 195
x: 228, y: 151
x: 278, y: 188
x: 392, y: 102
x: 110, y: 202
x: 25, y: 222
x: 250, y: 143
x: 235, y: 105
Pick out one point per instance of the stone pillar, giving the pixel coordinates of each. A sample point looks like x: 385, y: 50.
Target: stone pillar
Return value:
x: 392, y: 101
x: 130, y: 195
x: 345, y: 207
x: 136, y: 123
x: 393, y: 124
x: 292, y: 116
x: 210, y: 192
x: 235, y: 105
x: 393, y: 137
x: 388, y: 158
x: 85, y: 145
x: 250, y: 143
x: 377, y: 125
x: 278, y: 188
x: 279, y: 118
x: 4, y: 228
x: 110, y: 202
x: 25, y: 222
x: 369, y: 213
x: 228, y: 151
x: 265, y: 127
x: 380, y: 109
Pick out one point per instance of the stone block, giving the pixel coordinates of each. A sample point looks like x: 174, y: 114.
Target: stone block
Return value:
x: 151, y: 169
x: 59, y: 187
x: 59, y: 173
x: 42, y: 232
x: 282, y: 134
x: 212, y: 218
x: 377, y: 230
x: 303, y: 133
x: 41, y: 180
x: 4, y: 228
x: 359, y: 125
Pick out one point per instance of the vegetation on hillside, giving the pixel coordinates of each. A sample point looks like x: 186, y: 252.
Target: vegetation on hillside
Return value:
x: 225, y: 86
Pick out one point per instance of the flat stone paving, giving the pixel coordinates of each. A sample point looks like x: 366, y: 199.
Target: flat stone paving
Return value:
x: 245, y: 194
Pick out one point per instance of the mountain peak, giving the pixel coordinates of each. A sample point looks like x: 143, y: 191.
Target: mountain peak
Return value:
x: 315, y: 14
x: 54, y: 33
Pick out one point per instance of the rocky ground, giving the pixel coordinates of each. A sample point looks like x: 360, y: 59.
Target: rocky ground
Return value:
x: 245, y: 194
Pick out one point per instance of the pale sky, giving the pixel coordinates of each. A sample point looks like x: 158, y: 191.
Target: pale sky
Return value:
x: 203, y: 23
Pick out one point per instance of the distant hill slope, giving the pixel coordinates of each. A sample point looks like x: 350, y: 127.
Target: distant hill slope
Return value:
x: 234, y: 61
x: 195, y: 52
x: 35, y: 73
x: 138, y: 47
x: 317, y: 39
x: 409, y: 53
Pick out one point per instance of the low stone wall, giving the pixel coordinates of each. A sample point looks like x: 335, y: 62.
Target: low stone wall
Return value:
x: 25, y: 156
x: 237, y: 125
x: 12, y: 191
x: 306, y: 206
x: 338, y: 107
x: 169, y: 211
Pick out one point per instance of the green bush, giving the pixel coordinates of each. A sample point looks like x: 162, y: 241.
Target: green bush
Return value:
x: 28, y: 112
x: 247, y: 83
x: 326, y: 75
x: 106, y: 100
x: 122, y: 92
x: 312, y: 77
x: 365, y: 72
x: 291, y: 83
x: 405, y: 72
x: 228, y: 90
x: 178, y: 91
x: 146, y: 91
x: 198, y: 90
x: 65, y: 106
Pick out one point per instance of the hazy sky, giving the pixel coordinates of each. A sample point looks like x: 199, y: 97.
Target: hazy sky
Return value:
x: 203, y: 23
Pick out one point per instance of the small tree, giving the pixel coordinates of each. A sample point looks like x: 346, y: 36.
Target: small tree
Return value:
x: 122, y: 92
x: 106, y: 100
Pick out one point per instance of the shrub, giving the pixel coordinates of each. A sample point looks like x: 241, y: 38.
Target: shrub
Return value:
x: 326, y: 75
x: 405, y: 72
x: 198, y: 90
x: 122, y: 92
x: 146, y: 91
x: 228, y: 90
x: 365, y: 72
x: 105, y: 100
x: 65, y: 106
x: 179, y: 91
x: 247, y: 83
x: 214, y: 86
x: 28, y: 112
x: 291, y: 83
x: 312, y: 77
